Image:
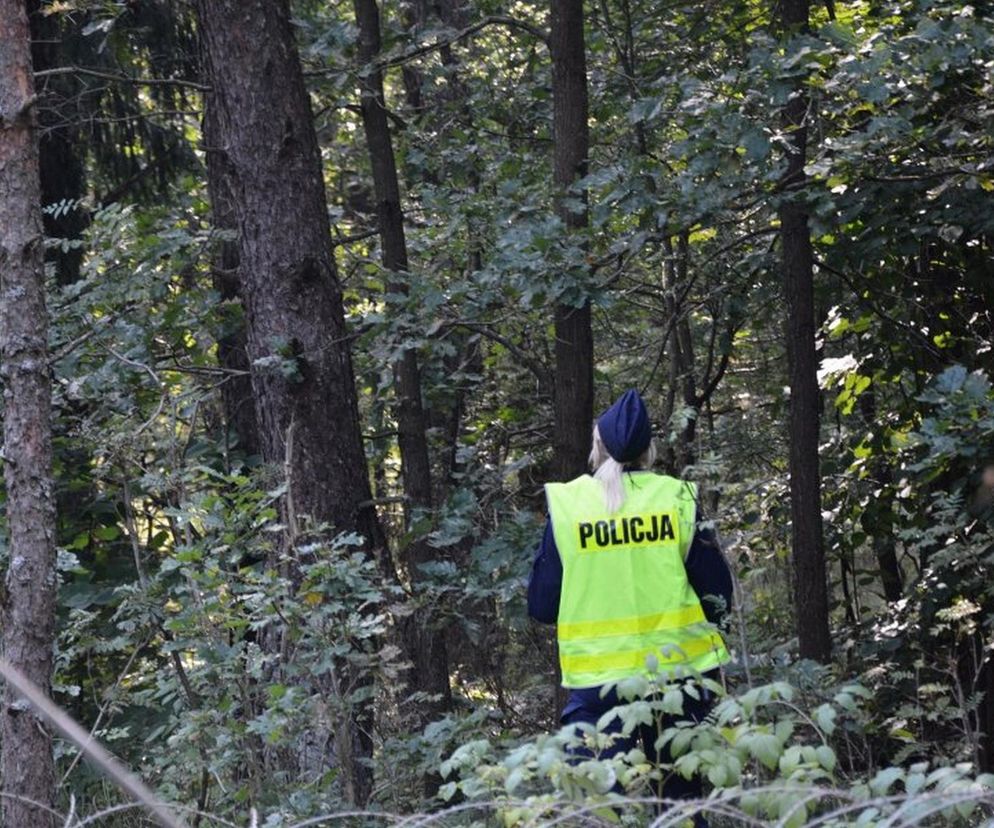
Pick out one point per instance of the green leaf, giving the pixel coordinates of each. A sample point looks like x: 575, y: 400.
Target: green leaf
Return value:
x: 882, y: 782
x: 673, y: 702
x: 681, y: 741
x: 687, y: 766
x: 792, y: 811
x: 825, y: 715
x: 107, y: 533
x: 766, y: 748
x: 515, y: 778
x: 826, y: 757
x: 839, y: 33
x: 914, y: 782
x: 790, y: 760
x: 756, y: 144
x: 718, y: 775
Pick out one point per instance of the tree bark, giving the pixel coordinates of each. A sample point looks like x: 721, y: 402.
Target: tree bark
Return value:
x: 810, y: 586
x: 297, y: 338
x: 26, y: 765
x: 232, y: 340
x: 298, y: 344
x: 424, y: 643
x: 574, y: 350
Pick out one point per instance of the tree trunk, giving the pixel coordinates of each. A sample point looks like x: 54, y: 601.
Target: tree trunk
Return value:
x: 810, y: 587
x: 468, y: 351
x: 26, y: 765
x: 232, y: 340
x: 878, y: 519
x: 298, y: 343
x: 60, y: 162
x: 683, y: 377
x: 424, y: 643
x: 574, y: 351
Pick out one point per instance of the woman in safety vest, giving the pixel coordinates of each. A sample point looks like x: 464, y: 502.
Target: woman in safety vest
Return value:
x: 622, y: 570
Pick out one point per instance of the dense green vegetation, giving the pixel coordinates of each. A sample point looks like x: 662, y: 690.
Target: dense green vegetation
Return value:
x: 229, y: 646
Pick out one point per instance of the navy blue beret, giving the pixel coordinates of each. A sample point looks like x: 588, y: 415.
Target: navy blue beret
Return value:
x: 625, y: 428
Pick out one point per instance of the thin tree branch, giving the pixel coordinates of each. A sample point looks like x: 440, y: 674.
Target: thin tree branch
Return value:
x: 93, y: 750
x: 118, y: 78
x: 540, y: 371
x: 492, y: 20
x: 339, y: 241
x: 393, y: 116
x: 705, y: 395
x: 878, y: 311
x: 428, y: 48
x: 122, y: 189
x: 103, y: 708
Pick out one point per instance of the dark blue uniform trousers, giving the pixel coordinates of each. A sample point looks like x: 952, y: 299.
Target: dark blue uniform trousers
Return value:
x: 587, y: 706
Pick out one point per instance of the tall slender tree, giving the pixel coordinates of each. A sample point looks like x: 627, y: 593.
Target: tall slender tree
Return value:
x: 26, y: 765
x: 437, y: 103
x: 425, y: 645
x: 810, y: 587
x: 878, y: 519
x: 574, y: 349
x: 298, y: 344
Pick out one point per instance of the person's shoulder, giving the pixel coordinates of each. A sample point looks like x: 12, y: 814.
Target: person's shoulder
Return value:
x: 666, y: 483
x: 669, y: 479
x: 576, y: 484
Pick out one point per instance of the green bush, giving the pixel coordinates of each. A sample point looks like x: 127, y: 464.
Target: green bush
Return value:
x: 772, y: 752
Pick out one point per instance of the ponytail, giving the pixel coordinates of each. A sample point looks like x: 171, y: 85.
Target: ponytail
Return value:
x: 609, y: 471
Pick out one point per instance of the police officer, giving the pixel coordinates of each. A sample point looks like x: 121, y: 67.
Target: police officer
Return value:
x: 622, y: 571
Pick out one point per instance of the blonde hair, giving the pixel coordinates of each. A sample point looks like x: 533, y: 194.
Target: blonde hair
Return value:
x: 609, y: 471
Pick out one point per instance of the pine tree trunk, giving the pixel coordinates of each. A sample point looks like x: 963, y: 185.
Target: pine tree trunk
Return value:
x: 810, y: 587
x: 424, y: 643
x: 574, y: 350
x: 298, y: 344
x: 297, y: 339
x: 232, y: 340
x: 26, y: 766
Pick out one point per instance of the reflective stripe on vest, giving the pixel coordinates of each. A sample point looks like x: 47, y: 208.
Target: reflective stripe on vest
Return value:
x: 625, y: 595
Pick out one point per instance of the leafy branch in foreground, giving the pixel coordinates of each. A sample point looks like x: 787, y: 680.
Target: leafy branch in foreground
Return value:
x: 772, y: 752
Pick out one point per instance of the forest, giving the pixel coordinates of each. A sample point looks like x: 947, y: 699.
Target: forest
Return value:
x: 303, y: 303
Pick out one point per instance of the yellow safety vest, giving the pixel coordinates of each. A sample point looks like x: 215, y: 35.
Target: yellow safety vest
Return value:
x: 625, y: 594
